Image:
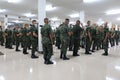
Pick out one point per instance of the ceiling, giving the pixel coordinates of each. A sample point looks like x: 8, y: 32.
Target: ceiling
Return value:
x: 93, y: 11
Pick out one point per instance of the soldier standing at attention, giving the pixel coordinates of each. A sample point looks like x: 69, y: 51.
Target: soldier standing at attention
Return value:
x: 101, y: 36
x: 17, y: 37
x: 29, y: 40
x: 34, y: 38
x: 88, y: 38
x: 71, y: 38
x: 117, y: 37
x: 106, y: 37
x: 77, y: 30
x: 58, y: 41
x: 8, y: 35
x: 46, y: 33
x: 25, y: 36
x: 14, y: 43
x: 1, y: 37
x: 93, y: 35
x: 65, y: 34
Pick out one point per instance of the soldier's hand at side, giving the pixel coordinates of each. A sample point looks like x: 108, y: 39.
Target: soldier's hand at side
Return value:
x: 90, y: 39
x: 20, y: 34
x: 34, y: 34
x: 27, y: 34
x: 69, y: 33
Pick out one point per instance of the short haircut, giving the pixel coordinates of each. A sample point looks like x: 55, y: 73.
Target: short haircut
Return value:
x: 33, y: 20
x: 46, y: 19
x: 88, y: 21
x: 67, y: 19
x: 78, y: 20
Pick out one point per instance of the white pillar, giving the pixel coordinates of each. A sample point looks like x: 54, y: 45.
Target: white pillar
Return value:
x: 41, y: 16
x: 82, y: 16
x: 5, y: 22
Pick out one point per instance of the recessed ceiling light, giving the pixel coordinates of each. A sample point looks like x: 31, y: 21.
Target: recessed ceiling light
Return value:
x: 29, y: 15
x: 50, y: 7
x: 14, y: 1
x: 2, y: 10
x: 90, y: 1
x: 74, y: 15
x: 113, y: 12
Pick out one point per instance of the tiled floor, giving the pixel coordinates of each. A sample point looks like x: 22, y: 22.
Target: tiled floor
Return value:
x: 17, y: 66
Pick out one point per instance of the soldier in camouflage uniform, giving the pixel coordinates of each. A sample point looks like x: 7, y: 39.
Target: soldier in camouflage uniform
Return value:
x: 71, y: 38
x: 34, y: 38
x: 17, y: 37
x: 57, y: 35
x: 8, y: 36
x: 1, y: 37
x: 47, y: 42
x: 29, y: 40
x: 83, y: 37
x: 77, y: 30
x: 14, y: 43
x: 88, y: 38
x: 117, y: 37
x: 112, y: 37
x: 101, y: 37
x: 25, y: 36
x: 93, y: 35
x: 98, y: 38
x: 65, y: 34
x: 106, y: 37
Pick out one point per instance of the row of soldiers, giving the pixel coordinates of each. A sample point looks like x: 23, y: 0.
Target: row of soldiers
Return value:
x: 90, y: 37
x: 27, y: 37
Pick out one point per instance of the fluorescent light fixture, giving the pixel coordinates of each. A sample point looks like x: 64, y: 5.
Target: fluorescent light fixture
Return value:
x: 17, y: 21
x: 29, y: 15
x: 10, y: 23
x: 31, y: 70
x: 13, y: 1
x: 109, y: 78
x: 2, y: 10
x: 90, y: 1
x: 2, y: 77
x: 50, y: 8
x: 74, y: 15
x: 118, y: 18
x: 55, y: 19
x: 113, y: 12
x: 117, y: 67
